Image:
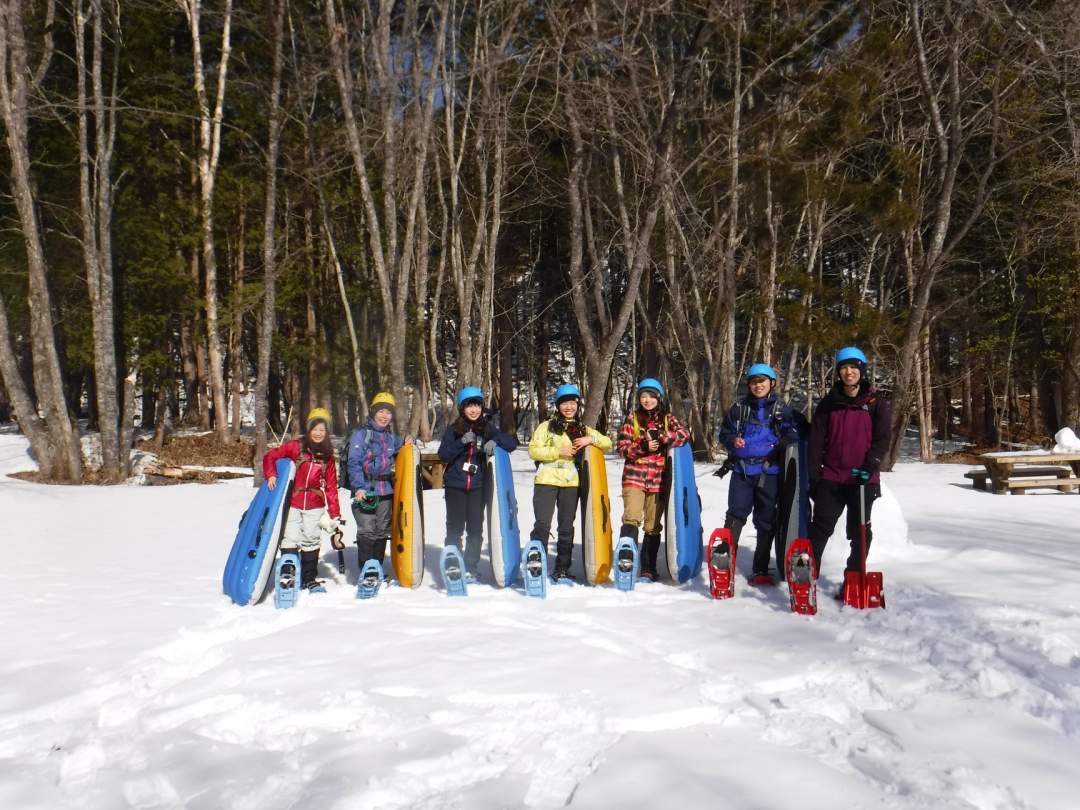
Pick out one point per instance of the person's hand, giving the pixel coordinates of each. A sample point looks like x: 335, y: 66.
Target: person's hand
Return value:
x: 468, y: 437
x: 582, y: 442
x: 489, y: 447
x: 566, y: 451
x: 861, y: 474
x: 740, y: 442
x: 654, y: 445
x: 408, y: 440
x: 271, y: 482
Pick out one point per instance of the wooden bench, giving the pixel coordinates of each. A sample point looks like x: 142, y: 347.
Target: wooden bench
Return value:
x: 978, y: 477
x: 1016, y: 471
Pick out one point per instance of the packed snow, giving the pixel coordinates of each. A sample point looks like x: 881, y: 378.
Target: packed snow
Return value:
x: 131, y: 681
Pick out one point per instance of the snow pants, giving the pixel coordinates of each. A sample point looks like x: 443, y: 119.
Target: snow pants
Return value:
x: 465, y: 512
x: 641, y: 507
x: 302, y: 530
x: 830, y: 499
x: 373, y: 529
x: 756, y: 493
x: 545, y: 500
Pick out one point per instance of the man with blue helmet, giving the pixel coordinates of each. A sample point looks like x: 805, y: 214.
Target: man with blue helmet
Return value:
x: 465, y: 446
x: 753, y: 432
x: 556, y: 448
x: 849, y: 438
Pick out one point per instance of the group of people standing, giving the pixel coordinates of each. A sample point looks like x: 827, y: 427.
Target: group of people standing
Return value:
x: 846, y: 443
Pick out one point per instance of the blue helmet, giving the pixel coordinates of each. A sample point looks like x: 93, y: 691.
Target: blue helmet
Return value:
x: 649, y: 384
x: 469, y: 392
x: 761, y: 370
x: 850, y: 354
x: 567, y: 391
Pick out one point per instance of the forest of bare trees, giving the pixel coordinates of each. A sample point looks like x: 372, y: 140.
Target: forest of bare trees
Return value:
x: 215, y: 208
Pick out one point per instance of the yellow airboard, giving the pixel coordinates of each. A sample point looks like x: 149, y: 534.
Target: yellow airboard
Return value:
x: 407, y: 524
x: 595, y: 517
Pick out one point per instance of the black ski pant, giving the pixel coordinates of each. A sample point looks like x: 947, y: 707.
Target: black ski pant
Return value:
x: 830, y: 499
x: 757, y: 493
x: 465, y: 513
x: 545, y: 500
x: 373, y: 529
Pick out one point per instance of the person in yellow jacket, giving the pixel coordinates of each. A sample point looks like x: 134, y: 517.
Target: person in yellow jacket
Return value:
x: 557, y: 446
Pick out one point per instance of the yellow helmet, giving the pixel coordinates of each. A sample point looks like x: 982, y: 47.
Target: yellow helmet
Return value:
x: 383, y: 398
x: 318, y: 415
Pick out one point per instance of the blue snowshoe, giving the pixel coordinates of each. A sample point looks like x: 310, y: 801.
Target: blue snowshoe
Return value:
x: 286, y: 580
x: 371, y: 577
x: 452, y: 566
x: 627, y: 564
x: 534, y: 569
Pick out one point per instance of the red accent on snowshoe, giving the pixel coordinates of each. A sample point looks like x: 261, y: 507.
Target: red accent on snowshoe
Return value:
x: 722, y: 580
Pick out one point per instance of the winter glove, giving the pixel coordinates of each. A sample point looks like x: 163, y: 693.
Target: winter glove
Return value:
x: 337, y: 540
x: 368, y: 503
x: 468, y: 437
x: 861, y: 474
x: 489, y: 447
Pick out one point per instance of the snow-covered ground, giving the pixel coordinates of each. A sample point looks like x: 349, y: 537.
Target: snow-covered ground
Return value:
x: 130, y: 681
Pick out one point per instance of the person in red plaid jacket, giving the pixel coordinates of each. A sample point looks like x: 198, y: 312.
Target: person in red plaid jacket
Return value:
x: 644, y: 439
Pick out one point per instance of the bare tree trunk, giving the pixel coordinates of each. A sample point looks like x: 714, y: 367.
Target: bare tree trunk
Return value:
x: 269, y: 248
x: 209, y: 152
x: 95, y: 206
x: 54, y: 439
x: 236, y: 334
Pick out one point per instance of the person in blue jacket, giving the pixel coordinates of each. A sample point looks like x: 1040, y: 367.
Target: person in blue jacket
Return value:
x: 465, y: 447
x: 752, y: 433
x: 373, y: 450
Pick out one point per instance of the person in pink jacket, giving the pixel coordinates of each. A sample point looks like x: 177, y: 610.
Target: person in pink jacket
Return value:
x: 315, y: 492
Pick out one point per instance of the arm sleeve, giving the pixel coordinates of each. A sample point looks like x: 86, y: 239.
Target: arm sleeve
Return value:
x: 506, y: 441
x: 815, y: 447
x: 332, y: 504
x: 880, y: 437
x: 599, y: 439
x: 450, y: 446
x: 287, y: 450
x: 357, y: 456
x: 729, y: 429
x: 678, y: 434
x: 626, y: 446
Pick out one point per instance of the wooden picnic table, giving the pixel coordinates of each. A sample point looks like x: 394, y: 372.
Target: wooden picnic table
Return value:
x: 431, y: 470
x: 1020, y: 470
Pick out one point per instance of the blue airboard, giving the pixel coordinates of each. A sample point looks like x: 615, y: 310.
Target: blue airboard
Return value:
x: 504, y: 534
x: 683, y: 517
x: 252, y: 555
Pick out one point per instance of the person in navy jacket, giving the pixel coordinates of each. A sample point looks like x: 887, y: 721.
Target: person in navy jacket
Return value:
x: 753, y: 432
x: 465, y: 448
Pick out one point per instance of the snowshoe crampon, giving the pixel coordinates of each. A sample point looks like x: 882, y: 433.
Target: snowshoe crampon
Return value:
x: 371, y: 577
x: 802, y: 577
x: 627, y: 564
x: 722, y: 555
x: 286, y: 575
x: 452, y: 566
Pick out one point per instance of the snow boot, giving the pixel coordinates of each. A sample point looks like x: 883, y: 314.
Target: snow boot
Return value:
x: 309, y: 568
x: 650, y: 547
x: 736, y: 526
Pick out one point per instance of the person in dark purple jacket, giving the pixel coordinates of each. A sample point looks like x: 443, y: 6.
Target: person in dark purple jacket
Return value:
x: 849, y: 438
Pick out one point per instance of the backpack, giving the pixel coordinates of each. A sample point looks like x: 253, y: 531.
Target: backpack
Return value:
x: 775, y: 420
x: 343, y: 458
